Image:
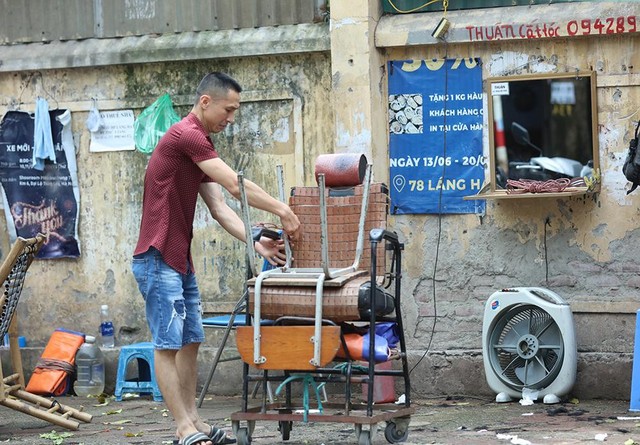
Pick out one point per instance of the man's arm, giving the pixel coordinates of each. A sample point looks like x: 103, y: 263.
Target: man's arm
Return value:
x: 224, y: 175
x: 220, y: 210
x: 212, y: 195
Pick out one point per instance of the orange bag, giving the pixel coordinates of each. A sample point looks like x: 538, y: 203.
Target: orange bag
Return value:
x: 56, y: 365
x: 358, y: 347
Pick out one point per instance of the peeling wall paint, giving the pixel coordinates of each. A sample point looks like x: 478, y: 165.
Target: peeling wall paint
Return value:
x: 336, y: 24
x: 513, y: 62
x: 355, y: 138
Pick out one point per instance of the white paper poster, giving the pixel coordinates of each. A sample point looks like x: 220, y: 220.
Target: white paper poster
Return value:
x: 115, y: 132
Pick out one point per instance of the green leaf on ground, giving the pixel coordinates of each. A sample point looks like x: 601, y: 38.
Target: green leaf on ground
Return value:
x: 55, y: 437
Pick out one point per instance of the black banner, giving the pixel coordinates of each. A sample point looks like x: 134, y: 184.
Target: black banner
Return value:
x: 44, y: 201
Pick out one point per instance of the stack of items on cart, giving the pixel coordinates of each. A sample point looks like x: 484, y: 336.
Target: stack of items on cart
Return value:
x: 335, y: 308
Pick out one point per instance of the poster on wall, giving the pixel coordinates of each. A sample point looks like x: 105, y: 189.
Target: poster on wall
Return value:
x: 40, y: 198
x: 114, y: 132
x: 435, y: 136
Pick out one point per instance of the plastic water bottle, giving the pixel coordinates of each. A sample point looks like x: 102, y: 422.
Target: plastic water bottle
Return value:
x: 89, y: 369
x: 106, y: 328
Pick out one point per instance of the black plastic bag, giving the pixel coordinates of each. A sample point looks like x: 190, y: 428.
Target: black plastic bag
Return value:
x: 631, y: 168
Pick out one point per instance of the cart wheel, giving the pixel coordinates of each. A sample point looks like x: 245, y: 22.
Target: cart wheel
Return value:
x: 284, y: 426
x: 243, y: 437
x: 393, y: 434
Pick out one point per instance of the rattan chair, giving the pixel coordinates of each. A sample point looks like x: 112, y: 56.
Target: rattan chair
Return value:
x: 13, y: 272
x: 324, y: 283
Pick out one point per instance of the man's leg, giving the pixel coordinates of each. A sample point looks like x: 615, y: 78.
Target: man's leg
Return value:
x: 187, y: 358
x: 166, y: 293
x: 187, y: 363
x: 172, y: 383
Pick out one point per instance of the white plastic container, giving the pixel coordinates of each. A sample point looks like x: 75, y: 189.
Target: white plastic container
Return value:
x: 107, y: 334
x: 89, y: 369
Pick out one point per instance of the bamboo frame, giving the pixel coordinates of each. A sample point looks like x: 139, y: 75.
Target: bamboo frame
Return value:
x: 12, y: 393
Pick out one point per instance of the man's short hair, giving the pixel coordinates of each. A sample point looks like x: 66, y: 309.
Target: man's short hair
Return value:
x: 217, y: 84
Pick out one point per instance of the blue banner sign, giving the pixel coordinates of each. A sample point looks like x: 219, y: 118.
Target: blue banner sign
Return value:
x: 435, y: 136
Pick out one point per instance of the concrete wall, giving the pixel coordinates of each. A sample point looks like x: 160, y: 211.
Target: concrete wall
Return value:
x: 584, y: 253
x: 283, y: 101
x: 334, y: 99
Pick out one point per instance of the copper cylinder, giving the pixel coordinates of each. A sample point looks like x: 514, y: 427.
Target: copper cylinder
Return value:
x: 341, y: 169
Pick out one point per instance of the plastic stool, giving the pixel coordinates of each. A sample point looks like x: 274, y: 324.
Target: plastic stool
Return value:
x: 146, y: 381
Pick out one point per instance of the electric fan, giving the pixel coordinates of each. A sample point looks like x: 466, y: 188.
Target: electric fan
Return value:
x: 529, y: 344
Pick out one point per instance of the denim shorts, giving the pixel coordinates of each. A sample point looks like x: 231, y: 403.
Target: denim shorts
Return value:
x: 172, y: 300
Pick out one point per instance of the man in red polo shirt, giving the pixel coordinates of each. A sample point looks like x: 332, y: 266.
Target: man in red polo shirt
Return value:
x: 184, y: 165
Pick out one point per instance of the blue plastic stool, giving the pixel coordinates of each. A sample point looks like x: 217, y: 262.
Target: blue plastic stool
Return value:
x: 146, y: 381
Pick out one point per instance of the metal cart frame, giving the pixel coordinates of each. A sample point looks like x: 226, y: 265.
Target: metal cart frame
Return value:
x: 364, y: 416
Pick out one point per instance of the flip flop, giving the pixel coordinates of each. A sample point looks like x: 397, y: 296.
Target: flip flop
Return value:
x: 193, y: 439
x: 216, y: 435
x: 219, y: 437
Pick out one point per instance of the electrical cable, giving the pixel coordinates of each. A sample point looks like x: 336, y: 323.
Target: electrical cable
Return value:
x: 31, y: 77
x: 532, y: 186
x: 430, y: 2
x: 439, y: 231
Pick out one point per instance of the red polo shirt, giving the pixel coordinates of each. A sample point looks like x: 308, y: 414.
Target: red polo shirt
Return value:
x: 171, y: 186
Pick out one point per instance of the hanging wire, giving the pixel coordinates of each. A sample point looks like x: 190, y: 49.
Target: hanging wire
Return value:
x: 47, y: 92
x: 439, y: 232
x: 430, y: 2
x: 29, y: 80
x: 24, y: 87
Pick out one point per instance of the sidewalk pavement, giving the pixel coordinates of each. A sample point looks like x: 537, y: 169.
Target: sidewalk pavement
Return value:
x: 472, y: 421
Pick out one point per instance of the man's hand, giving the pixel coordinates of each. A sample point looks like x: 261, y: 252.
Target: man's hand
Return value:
x: 290, y: 224
x: 272, y: 250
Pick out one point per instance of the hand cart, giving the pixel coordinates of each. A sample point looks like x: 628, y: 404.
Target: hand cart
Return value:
x: 302, y: 344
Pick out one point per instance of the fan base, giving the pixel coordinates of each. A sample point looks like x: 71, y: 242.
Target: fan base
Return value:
x: 551, y: 399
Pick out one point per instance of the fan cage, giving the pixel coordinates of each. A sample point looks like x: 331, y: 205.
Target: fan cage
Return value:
x: 526, y: 339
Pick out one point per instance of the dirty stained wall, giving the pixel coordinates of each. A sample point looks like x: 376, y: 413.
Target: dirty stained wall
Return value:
x: 284, y: 98
x: 580, y: 247
x: 584, y: 248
